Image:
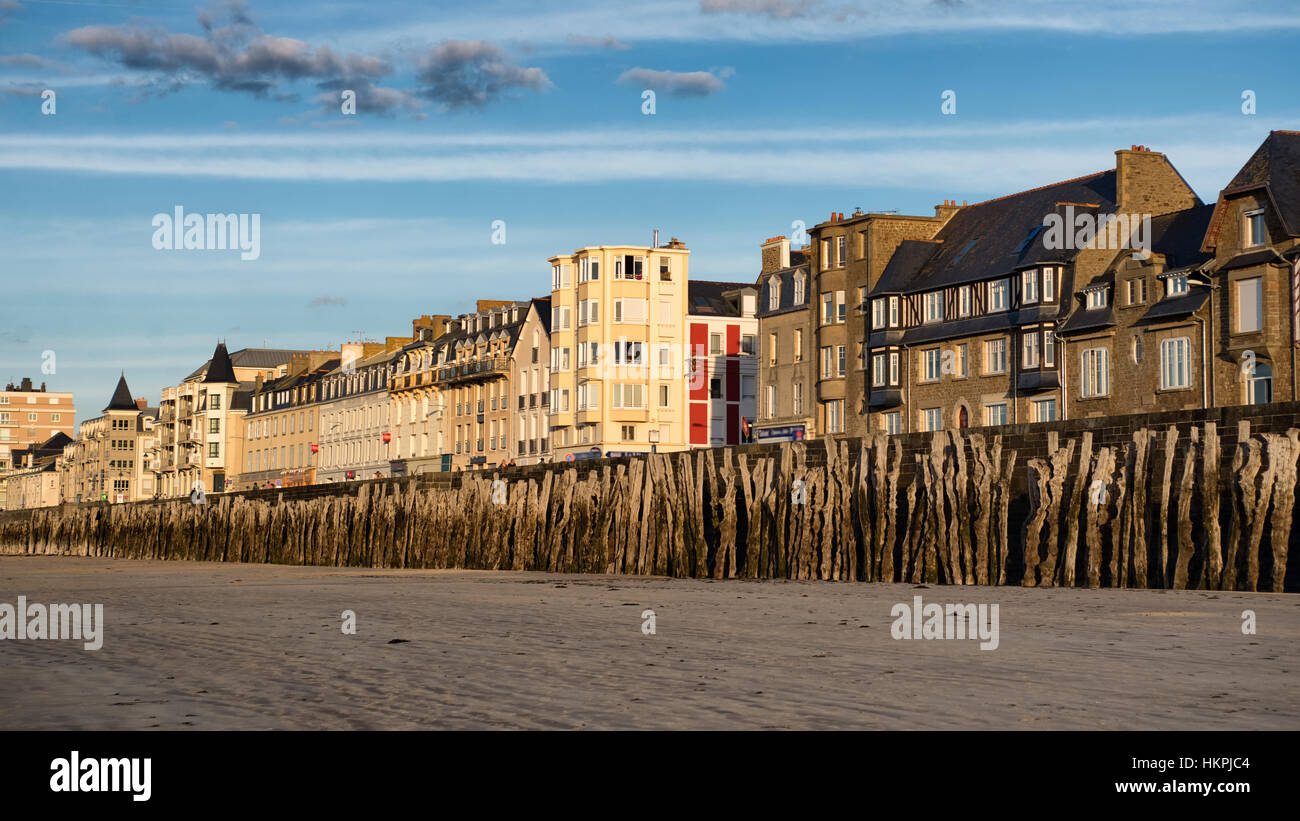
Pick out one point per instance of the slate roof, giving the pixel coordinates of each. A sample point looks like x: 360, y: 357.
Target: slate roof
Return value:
x: 543, y: 304
x: 785, y: 277
x: 1250, y: 258
x: 252, y: 358
x: 704, y: 297
x: 220, y: 368
x: 1275, y: 166
x: 121, y: 397
x: 1179, y: 236
x: 1181, y: 305
x: 994, y: 238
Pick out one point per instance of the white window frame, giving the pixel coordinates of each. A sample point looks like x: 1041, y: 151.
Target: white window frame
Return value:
x: 1238, y: 315
x: 999, y: 296
x: 1029, y: 287
x: 1247, y: 230
x: 1175, y: 374
x: 1094, y: 373
x: 964, y: 302
x: 932, y: 307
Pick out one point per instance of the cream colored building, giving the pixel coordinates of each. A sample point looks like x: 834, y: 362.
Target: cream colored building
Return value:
x: 30, y: 416
x: 355, y: 413
x: 475, y: 395
x: 107, y: 461
x: 281, y: 429
x: 618, y: 350
x: 200, y: 430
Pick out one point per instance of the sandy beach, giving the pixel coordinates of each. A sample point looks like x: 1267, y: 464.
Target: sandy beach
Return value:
x: 226, y: 646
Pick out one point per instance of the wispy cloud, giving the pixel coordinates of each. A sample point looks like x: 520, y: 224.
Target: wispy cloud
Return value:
x: 675, y: 83
x: 458, y: 74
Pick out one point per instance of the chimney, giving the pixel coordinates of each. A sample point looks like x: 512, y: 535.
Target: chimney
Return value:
x: 656, y: 239
x: 26, y: 384
x: 676, y: 243
x: 142, y: 403
x: 944, y: 212
x: 775, y: 254
x: 1146, y: 183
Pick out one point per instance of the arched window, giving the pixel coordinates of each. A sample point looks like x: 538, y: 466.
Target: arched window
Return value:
x: 1259, y: 385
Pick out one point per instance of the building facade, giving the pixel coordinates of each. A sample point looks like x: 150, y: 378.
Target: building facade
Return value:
x: 279, y: 433
x: 30, y: 416
x: 108, y: 461
x: 722, y: 381
x: 619, y: 350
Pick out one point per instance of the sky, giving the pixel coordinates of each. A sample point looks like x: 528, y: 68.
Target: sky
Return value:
x: 534, y: 114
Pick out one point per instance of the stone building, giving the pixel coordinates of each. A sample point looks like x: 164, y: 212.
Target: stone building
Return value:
x: 786, y: 369
x: 34, y: 480
x: 355, y: 412
x: 963, y: 326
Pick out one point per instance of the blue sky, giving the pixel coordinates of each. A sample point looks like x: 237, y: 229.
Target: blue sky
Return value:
x: 767, y: 111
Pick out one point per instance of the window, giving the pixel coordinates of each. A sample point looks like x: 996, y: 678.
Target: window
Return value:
x: 56, y: 417
x: 1135, y: 349
x: 627, y: 353
x: 839, y: 360
x: 798, y: 344
x: 31, y: 417
x: 826, y: 254
x: 999, y: 295
x: 932, y: 419
x: 629, y: 396
x: 1094, y: 299
x: 995, y: 414
x: 893, y: 368
x: 1256, y: 233
x: 559, y: 362
x: 560, y: 275
x: 1044, y: 410
x: 1259, y: 385
x: 930, y: 365
x: 840, y: 307
x: 963, y: 301
x: 1137, y: 291
x: 1094, y: 372
x: 588, y: 312
x: 747, y: 387
x: 773, y: 293
x: 1175, y: 363
x: 1029, y: 287
x: 840, y: 254
x: 960, y: 364
x: 771, y: 348
x: 630, y: 311
x: 560, y: 317
x: 629, y: 433
x: 933, y: 306
x: 995, y: 356
x: 1049, y: 347
x: 835, y: 416
x: 214, y: 450
x: 828, y: 308
x: 748, y: 344
x: 1049, y: 284
x: 589, y: 396
x: 799, y: 289
x: 214, y: 401
x: 214, y: 425
x: 878, y: 372
x: 715, y: 344
x: 1029, y: 349
x: 893, y: 422
x: 1250, y: 304
x: 1175, y: 285
x: 828, y: 362
x: 878, y: 313
x: 559, y: 400
x: 796, y: 398
x: 665, y: 269
x: 893, y: 312
x: 771, y: 401
x: 663, y: 395
x: 715, y: 388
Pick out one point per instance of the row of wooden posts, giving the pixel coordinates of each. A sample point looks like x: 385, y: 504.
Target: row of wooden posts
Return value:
x: 1077, y: 517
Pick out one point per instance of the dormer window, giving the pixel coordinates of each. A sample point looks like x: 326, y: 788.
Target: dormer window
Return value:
x: 893, y: 312
x: 878, y: 313
x: 1095, y: 299
x: 1176, y: 285
x: 1255, y: 230
x: 773, y: 294
x: 999, y: 295
x: 798, y: 289
x: 1029, y: 286
x: 933, y: 306
x: 963, y: 301
x: 1049, y: 284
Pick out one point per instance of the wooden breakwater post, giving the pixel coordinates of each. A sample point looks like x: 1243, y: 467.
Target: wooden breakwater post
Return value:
x: 1152, y: 510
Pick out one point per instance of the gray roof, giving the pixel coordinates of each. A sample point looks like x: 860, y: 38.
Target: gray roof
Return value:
x: 253, y: 358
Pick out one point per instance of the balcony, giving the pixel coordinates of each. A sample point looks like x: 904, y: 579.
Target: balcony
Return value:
x: 473, y: 371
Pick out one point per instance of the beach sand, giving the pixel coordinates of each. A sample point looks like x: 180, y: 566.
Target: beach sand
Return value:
x: 230, y: 646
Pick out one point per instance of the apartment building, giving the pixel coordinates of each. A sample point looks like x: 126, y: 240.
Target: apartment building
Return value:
x: 107, y: 461
x: 786, y: 370
x: 722, y: 380
x: 963, y: 326
x: 618, y: 350
x: 279, y: 434
x: 355, y: 411
x: 30, y: 416
x: 201, y: 421
x: 34, y: 480
x: 847, y: 256
x: 464, y: 399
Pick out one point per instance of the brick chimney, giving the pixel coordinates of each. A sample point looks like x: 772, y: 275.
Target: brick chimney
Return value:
x: 142, y: 403
x: 945, y: 211
x: 436, y: 323
x: 776, y: 254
